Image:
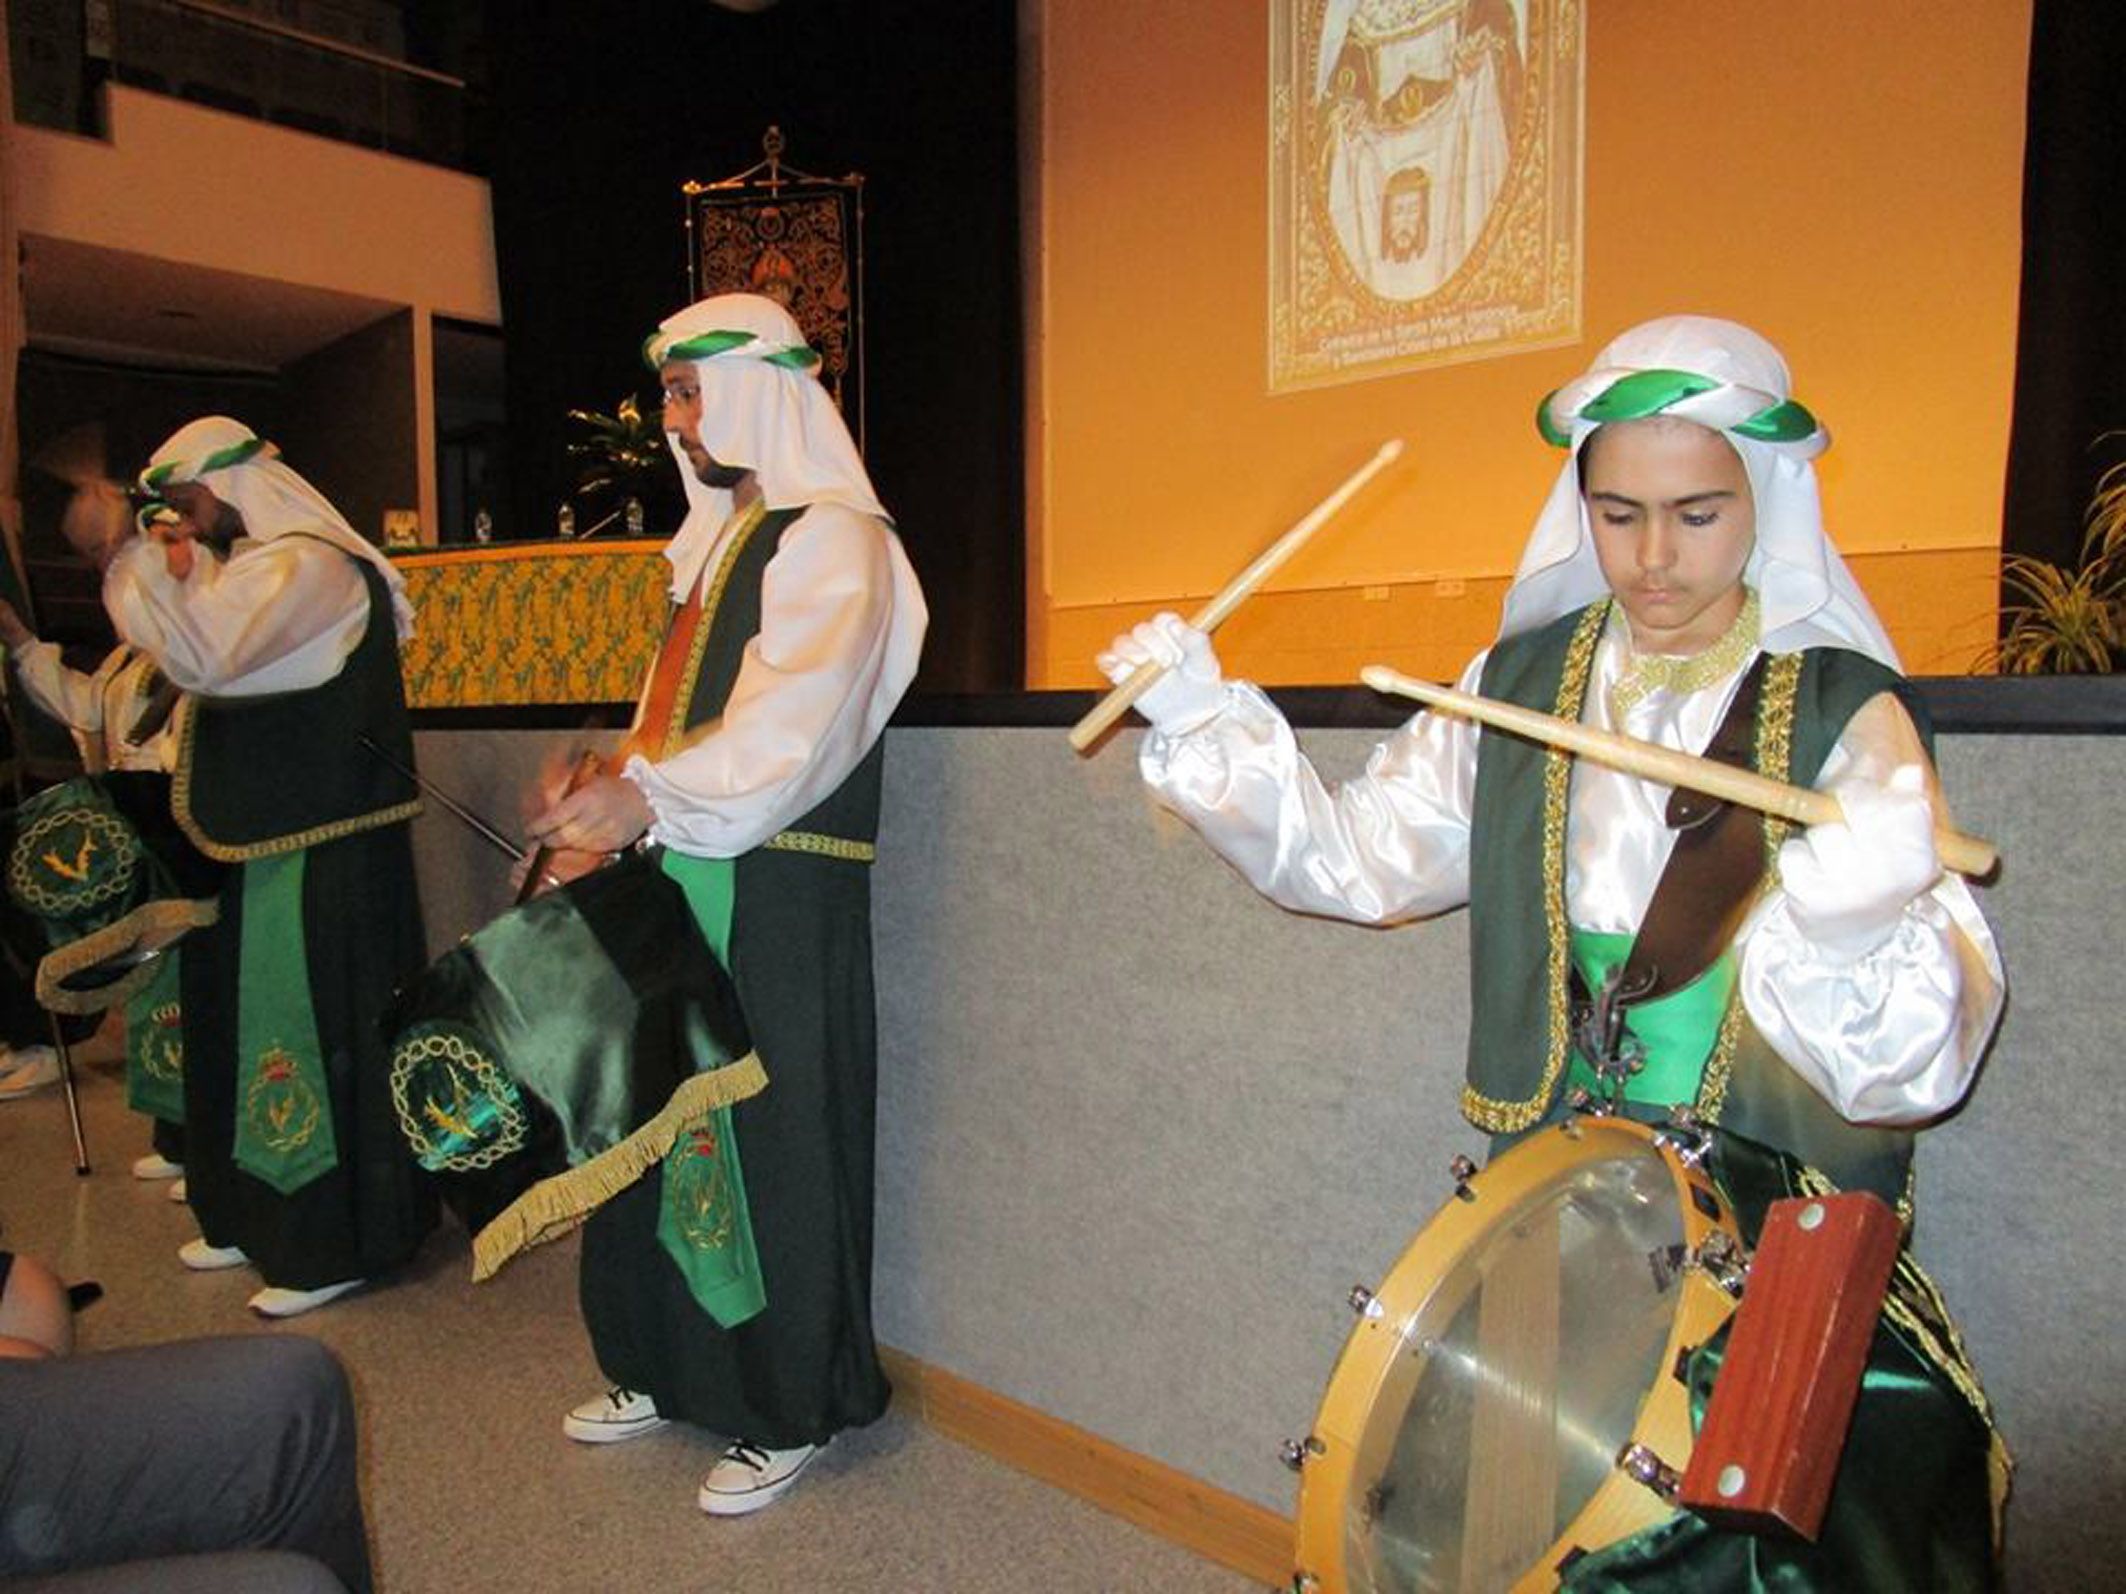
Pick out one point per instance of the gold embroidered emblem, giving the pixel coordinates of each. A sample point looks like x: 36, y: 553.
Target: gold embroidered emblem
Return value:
x: 163, y: 1054
x: 282, y: 1109
x: 701, y: 1201
x: 456, y: 1108
x: 79, y: 868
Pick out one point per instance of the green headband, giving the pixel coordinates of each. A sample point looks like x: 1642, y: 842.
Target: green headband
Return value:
x: 707, y: 345
x: 160, y: 476
x: 1645, y: 393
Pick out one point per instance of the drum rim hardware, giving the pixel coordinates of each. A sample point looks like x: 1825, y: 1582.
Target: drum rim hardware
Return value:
x: 1631, y: 1496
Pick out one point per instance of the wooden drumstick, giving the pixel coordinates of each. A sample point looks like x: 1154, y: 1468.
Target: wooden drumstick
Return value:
x: 1967, y: 855
x: 1213, y: 614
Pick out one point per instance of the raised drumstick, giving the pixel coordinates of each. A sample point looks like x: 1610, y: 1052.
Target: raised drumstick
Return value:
x: 1213, y: 614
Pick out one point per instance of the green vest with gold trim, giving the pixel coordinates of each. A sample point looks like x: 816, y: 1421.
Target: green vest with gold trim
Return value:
x: 1520, y: 1043
x: 259, y: 776
x: 730, y: 620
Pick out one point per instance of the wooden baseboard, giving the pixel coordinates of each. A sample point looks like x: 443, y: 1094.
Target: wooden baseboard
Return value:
x: 1219, y: 1526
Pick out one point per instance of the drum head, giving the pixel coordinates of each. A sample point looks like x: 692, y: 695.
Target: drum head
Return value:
x: 1477, y: 1412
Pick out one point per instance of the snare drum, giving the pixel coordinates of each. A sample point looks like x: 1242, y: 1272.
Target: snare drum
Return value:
x: 1531, y: 1335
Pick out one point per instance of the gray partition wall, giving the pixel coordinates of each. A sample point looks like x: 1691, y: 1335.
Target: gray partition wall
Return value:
x: 1140, y: 1131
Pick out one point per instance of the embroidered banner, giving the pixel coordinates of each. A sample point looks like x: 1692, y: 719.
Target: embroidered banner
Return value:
x: 1425, y: 183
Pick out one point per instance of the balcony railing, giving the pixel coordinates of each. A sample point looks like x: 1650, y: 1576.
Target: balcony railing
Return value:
x: 247, y: 58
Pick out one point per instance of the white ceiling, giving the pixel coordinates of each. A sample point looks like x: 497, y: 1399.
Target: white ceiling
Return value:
x: 133, y: 309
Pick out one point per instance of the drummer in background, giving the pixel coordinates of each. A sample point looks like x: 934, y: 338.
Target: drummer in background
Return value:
x: 287, y: 653
x: 118, y: 716
x: 1845, y: 997
x: 742, y: 1302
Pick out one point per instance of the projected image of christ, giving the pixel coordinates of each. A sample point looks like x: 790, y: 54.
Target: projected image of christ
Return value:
x: 1415, y: 101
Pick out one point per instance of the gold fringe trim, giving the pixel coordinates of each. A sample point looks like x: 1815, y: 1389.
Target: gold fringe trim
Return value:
x: 164, y: 921
x: 273, y: 846
x: 554, y: 1206
x: 813, y: 842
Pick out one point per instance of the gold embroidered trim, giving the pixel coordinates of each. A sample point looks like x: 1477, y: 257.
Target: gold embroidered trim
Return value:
x: 822, y: 846
x: 161, y: 922
x: 555, y: 1205
x: 689, y: 678
x: 1648, y: 673
x: 1507, y: 1117
x: 273, y: 846
x: 1774, y: 756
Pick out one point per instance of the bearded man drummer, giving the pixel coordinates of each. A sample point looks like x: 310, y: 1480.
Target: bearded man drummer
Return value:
x: 1679, y: 587
x: 287, y: 654
x: 795, y: 629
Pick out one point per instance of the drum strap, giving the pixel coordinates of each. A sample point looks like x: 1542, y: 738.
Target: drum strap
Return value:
x: 1711, y: 878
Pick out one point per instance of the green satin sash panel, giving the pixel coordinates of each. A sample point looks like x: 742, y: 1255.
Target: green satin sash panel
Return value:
x: 155, y: 1044
x: 1678, y: 1030
x: 283, y: 1100
x: 1910, y: 1509
x: 704, y: 1223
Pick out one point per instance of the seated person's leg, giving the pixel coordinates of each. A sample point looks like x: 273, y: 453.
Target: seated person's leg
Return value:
x: 238, y: 1572
x: 36, y: 1318
x: 204, y: 1445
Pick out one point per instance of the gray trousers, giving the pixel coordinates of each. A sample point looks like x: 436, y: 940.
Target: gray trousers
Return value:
x: 185, y: 1449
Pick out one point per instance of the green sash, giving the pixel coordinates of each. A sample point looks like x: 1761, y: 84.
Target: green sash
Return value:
x: 704, y: 1224
x: 155, y: 1044
x: 283, y: 1102
x: 1676, y: 1031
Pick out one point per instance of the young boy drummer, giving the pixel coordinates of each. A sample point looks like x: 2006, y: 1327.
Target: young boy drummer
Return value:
x: 1818, y: 1004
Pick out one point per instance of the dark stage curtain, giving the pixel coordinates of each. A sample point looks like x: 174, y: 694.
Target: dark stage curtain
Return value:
x: 598, y: 114
x: 2070, y: 376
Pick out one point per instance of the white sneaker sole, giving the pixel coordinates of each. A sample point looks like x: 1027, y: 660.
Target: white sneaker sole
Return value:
x: 721, y: 1503
x: 273, y: 1301
x: 609, y: 1433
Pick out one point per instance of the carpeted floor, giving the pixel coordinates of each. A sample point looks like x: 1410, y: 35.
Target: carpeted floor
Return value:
x: 468, y: 1482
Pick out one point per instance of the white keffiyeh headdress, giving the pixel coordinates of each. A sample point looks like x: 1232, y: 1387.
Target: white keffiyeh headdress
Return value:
x: 1725, y: 377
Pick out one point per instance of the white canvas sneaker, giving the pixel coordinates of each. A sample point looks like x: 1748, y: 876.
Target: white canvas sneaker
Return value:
x: 156, y: 1166
x: 611, y: 1417
x: 747, y: 1477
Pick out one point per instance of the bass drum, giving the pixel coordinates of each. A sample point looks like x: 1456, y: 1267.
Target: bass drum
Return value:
x: 1472, y: 1433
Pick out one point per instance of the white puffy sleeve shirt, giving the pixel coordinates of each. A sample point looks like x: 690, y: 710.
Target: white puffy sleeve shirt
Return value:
x: 99, y: 709
x: 1892, y: 1038
x: 275, y: 616
x: 841, y: 628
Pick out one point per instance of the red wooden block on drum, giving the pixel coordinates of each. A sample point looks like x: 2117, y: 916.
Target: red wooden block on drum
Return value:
x: 1766, y: 1456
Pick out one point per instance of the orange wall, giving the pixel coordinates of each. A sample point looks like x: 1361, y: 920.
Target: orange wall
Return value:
x: 1846, y: 178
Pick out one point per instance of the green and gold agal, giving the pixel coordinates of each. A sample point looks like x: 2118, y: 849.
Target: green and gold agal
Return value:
x: 1520, y: 1051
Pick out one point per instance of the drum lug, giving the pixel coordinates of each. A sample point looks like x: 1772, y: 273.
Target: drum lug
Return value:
x: 1294, y: 1452
x: 1641, y: 1465
x: 1362, y: 1302
x: 1305, y: 1583
x: 1686, y: 1136
x: 1462, y: 1169
x: 1720, y: 1257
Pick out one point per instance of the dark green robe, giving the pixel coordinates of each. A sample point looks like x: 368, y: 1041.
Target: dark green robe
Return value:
x: 262, y: 777
x: 800, y: 955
